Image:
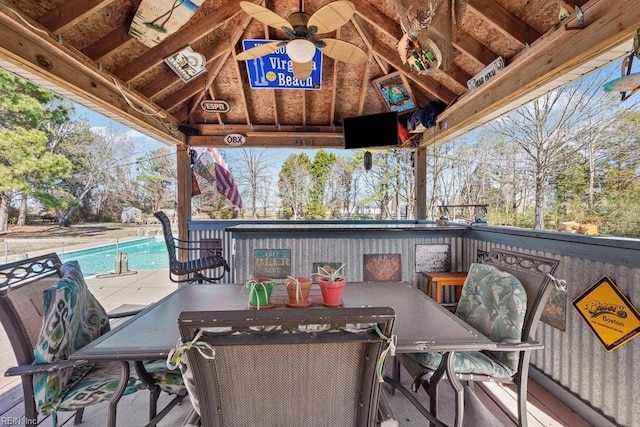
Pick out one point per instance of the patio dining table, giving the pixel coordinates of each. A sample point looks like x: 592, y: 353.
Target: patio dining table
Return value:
x: 421, y: 324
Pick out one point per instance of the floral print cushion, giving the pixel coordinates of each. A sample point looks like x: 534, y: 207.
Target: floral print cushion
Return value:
x: 494, y: 302
x: 169, y: 381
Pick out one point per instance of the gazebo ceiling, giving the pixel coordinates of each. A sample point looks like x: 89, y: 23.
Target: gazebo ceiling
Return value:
x: 83, y: 50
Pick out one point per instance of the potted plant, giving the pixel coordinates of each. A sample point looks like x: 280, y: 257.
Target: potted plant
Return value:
x: 332, y: 282
x: 260, y: 293
x: 298, y: 289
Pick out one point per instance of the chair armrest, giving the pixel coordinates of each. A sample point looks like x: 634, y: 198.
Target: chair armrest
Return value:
x: 41, y: 368
x: 518, y: 346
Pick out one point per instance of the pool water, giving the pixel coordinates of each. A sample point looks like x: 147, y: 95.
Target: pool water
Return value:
x: 144, y: 254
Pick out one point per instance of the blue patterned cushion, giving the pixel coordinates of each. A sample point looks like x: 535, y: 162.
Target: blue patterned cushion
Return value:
x: 168, y: 381
x: 494, y: 302
x: 72, y: 318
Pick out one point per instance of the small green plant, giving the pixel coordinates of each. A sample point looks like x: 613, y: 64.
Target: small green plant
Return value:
x: 330, y: 274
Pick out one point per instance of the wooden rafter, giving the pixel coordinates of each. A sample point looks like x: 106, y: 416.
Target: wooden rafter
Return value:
x: 365, y: 85
x: 504, y: 21
x: 177, y: 41
x: 70, y: 13
x: 243, y: 95
x: 378, y: 19
x: 110, y: 43
x: 231, y: 43
x: 608, y: 23
x: 365, y: 34
x: 43, y: 55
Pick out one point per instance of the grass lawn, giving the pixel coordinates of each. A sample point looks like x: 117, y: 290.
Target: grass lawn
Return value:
x: 34, y: 239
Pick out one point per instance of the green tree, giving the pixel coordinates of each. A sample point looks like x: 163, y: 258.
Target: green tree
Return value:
x: 26, y: 115
x: 321, y: 170
x: 156, y: 179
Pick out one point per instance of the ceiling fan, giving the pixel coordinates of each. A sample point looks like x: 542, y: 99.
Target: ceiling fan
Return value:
x: 302, y: 29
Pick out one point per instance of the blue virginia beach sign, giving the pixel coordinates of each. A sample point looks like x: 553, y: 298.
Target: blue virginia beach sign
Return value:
x: 274, y: 71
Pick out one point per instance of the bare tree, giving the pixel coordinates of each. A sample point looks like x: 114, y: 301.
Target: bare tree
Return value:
x: 554, y: 127
x: 254, y: 178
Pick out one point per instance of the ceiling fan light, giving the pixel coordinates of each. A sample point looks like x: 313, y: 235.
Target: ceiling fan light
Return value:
x: 301, y: 50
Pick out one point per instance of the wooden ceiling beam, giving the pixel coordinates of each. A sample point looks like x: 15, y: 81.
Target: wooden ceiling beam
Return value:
x: 568, y: 5
x: 192, y: 88
x: 115, y: 40
x: 70, y: 13
x: 211, y: 76
x: 378, y: 19
x: 274, y: 140
x: 608, y: 23
x: 504, y: 21
x: 432, y: 87
x: 42, y: 55
x: 475, y: 50
x: 208, y: 129
x: 177, y: 41
x: 365, y: 34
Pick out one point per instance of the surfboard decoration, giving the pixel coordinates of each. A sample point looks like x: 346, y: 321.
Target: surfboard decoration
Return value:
x: 629, y: 83
x: 624, y: 84
x: 155, y: 20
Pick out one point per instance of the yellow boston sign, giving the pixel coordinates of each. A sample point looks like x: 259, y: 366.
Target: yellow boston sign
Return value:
x: 609, y: 313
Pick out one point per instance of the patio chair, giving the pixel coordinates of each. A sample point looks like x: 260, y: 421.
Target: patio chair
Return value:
x: 48, y: 313
x: 288, y: 367
x: 504, y: 299
x: 194, y: 267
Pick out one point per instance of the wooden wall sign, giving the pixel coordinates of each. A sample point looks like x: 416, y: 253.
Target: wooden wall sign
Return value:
x: 186, y: 63
x: 434, y: 258
x: 611, y: 316
x: 272, y: 263
x: 382, y: 268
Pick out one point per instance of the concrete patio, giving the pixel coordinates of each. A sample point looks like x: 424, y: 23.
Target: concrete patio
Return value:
x: 145, y: 287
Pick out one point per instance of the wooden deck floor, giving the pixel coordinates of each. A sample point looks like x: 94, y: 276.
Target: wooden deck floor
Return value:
x: 145, y: 287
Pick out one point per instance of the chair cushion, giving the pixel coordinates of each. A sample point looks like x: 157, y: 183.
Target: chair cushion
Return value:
x: 495, y: 303
x: 72, y: 318
x: 169, y: 381
x: 468, y: 362
x: 94, y: 386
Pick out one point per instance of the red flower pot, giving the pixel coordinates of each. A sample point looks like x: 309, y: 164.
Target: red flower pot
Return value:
x: 332, y: 292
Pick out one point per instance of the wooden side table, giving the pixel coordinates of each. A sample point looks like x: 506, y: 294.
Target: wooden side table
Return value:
x: 445, y: 279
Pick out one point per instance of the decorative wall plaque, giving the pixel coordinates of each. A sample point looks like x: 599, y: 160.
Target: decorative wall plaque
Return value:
x: 272, y: 263
x: 434, y: 258
x: 382, y: 268
x: 608, y: 312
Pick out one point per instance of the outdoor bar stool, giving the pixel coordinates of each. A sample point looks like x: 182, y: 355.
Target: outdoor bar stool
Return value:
x: 445, y: 279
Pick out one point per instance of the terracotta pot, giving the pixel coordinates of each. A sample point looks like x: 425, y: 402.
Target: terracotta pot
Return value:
x: 332, y: 292
x: 298, y: 295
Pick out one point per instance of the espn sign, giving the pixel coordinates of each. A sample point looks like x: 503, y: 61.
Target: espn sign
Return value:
x: 215, y: 106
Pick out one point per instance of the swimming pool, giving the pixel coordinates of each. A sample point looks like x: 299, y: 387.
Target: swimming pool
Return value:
x: 142, y: 254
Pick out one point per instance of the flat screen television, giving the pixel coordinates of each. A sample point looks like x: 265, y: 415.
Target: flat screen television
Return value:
x: 373, y: 130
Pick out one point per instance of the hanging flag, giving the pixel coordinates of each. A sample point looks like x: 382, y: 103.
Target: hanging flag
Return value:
x: 211, y: 166
x: 195, y: 188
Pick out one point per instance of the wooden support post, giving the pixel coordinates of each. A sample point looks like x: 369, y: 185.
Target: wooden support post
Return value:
x: 420, y: 168
x: 183, y: 185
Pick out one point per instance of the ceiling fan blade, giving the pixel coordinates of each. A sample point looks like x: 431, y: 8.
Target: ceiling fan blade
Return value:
x: 265, y: 15
x: 302, y: 71
x: 332, y: 16
x: 343, y: 51
x: 258, y: 51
